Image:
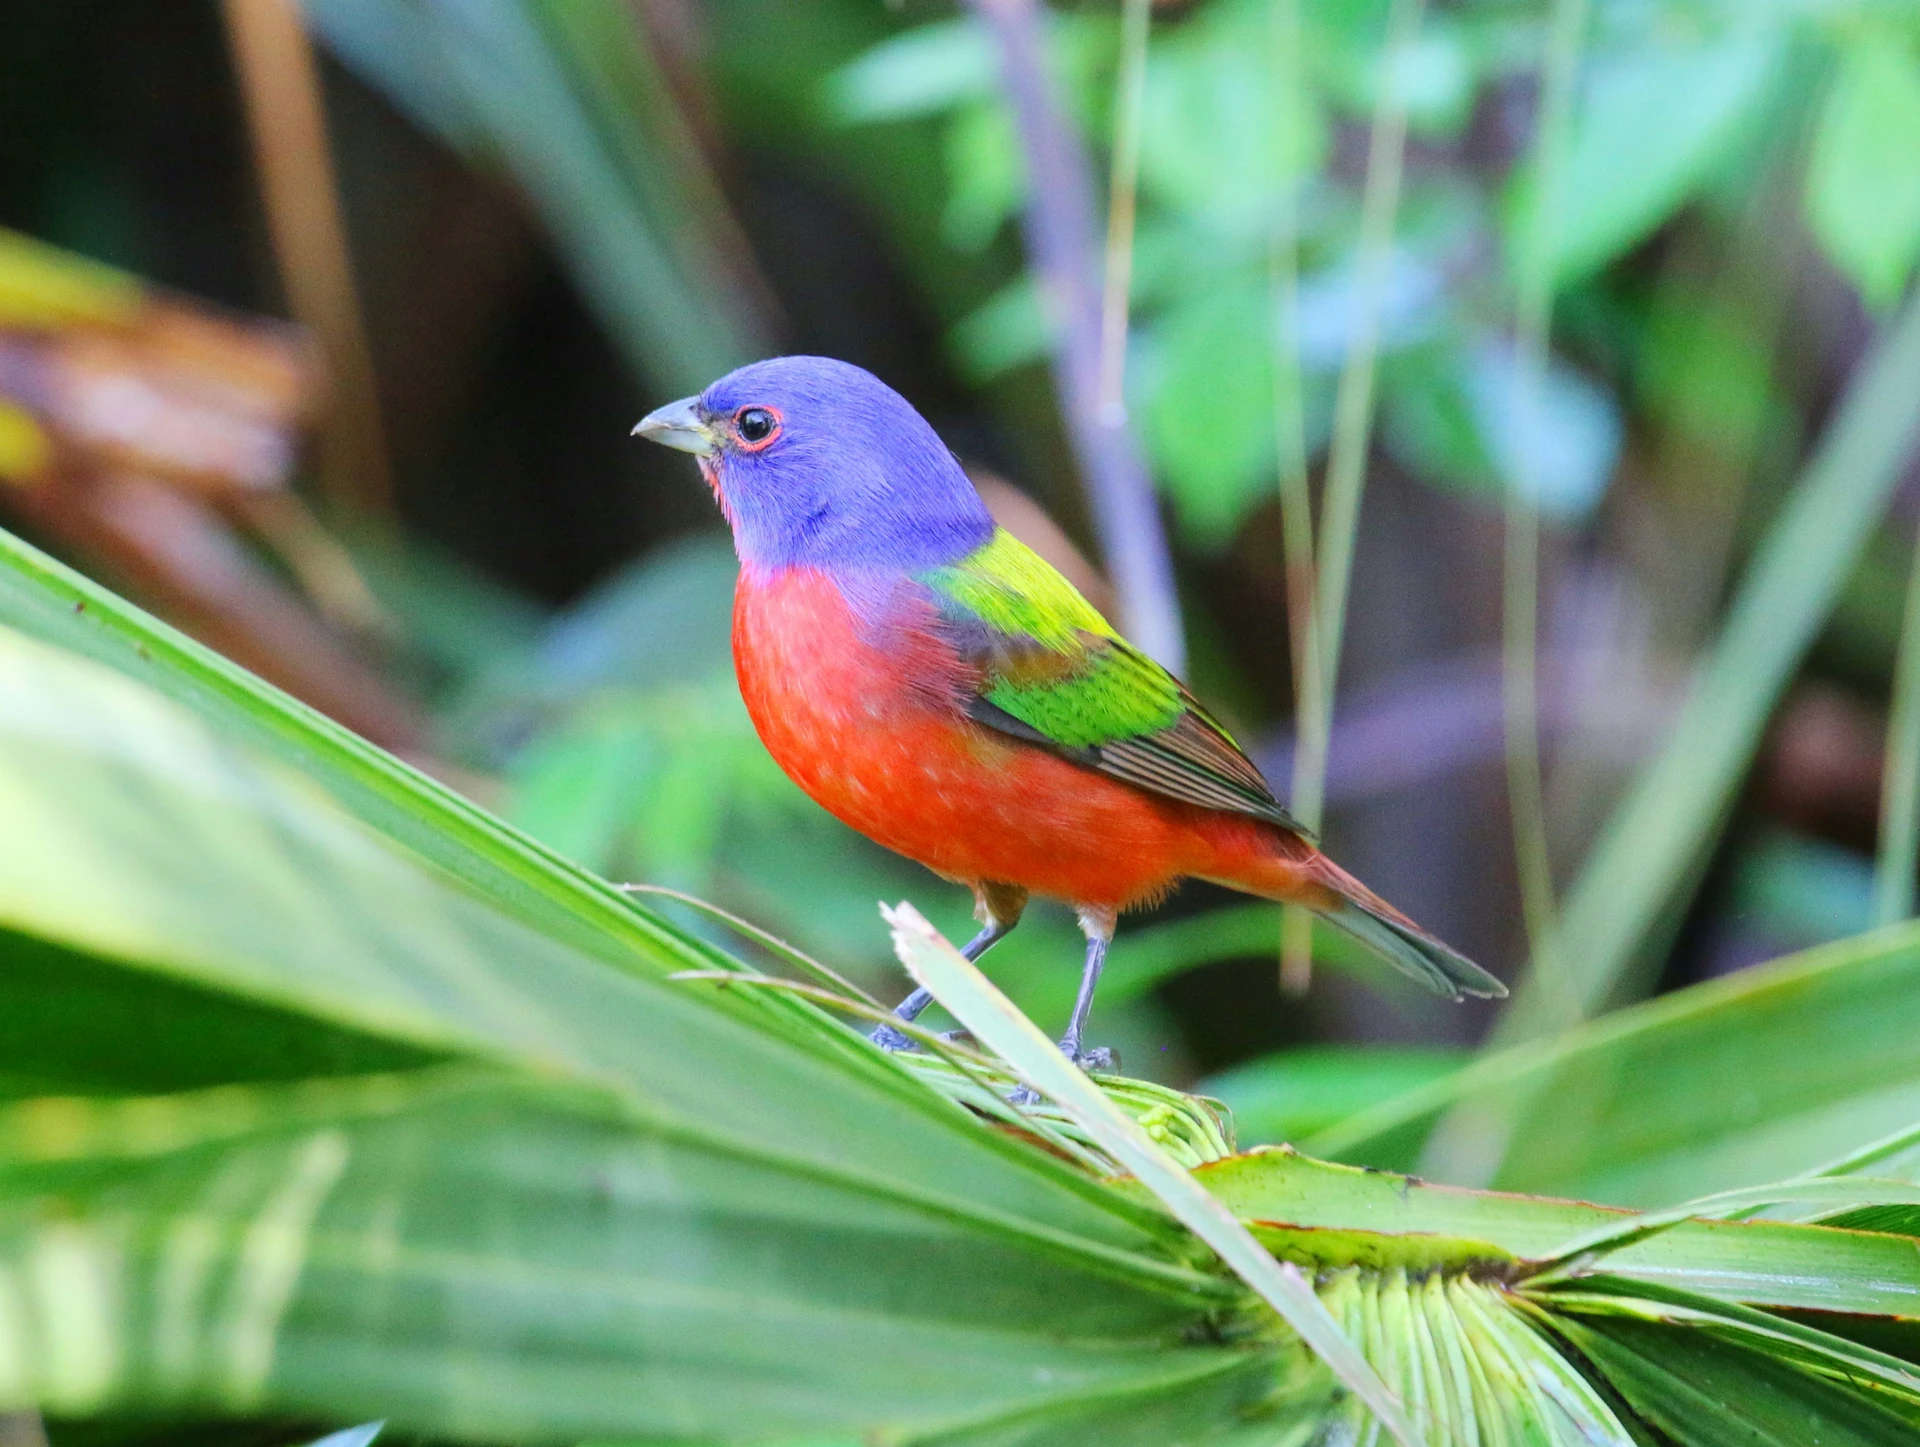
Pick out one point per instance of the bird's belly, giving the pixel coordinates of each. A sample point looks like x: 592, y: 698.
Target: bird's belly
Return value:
x: 866, y: 721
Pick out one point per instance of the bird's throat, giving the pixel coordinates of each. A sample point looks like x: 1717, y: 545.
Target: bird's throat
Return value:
x: 710, y: 470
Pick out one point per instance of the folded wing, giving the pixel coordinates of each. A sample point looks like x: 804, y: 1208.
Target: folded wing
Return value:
x: 1052, y: 672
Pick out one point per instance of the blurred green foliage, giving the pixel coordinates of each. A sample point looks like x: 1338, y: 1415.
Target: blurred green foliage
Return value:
x: 1679, y: 104
x: 616, y: 725
x: 1705, y: 136
x: 409, y: 1115
x: 477, y: 1041
x: 1863, y: 190
x: 570, y: 99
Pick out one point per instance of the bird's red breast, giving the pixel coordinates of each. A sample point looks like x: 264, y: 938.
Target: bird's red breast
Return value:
x: 861, y: 708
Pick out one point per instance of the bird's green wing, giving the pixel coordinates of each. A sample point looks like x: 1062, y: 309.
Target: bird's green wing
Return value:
x: 1053, y: 672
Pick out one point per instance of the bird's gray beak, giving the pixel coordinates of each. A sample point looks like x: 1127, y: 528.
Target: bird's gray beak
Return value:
x: 678, y: 425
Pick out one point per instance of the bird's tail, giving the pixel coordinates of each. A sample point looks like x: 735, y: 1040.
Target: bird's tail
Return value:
x: 1288, y: 869
x: 1431, y: 961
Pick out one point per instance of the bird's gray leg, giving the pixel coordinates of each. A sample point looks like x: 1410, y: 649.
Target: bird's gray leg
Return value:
x: 1099, y: 930
x: 998, y: 908
x: 888, y: 1038
x: 1097, y: 925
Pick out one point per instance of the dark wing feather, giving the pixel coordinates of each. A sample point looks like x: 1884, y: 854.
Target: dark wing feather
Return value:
x: 1193, y: 759
x: 1049, y: 670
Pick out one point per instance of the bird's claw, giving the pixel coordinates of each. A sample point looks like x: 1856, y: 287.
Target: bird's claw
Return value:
x: 1097, y: 1060
x: 890, y: 1039
x: 893, y: 1041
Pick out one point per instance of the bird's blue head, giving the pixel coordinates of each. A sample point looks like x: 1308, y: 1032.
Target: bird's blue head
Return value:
x: 818, y: 463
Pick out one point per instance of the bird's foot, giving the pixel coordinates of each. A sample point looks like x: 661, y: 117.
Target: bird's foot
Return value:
x: 907, y: 1011
x: 1093, y: 1061
x: 890, y: 1039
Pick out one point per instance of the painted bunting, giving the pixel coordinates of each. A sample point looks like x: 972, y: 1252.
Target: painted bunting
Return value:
x: 935, y: 684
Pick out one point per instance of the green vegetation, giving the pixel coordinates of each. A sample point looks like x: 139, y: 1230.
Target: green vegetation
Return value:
x: 509, y: 1085
x: 342, y: 1098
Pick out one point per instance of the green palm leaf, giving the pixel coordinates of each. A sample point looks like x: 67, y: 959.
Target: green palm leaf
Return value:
x: 509, y: 1261
x: 1766, y: 1074
x: 338, y: 1098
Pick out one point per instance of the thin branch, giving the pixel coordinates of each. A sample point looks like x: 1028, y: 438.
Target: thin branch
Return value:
x: 1062, y: 240
x: 1122, y: 188
x: 1643, y: 863
x: 1353, y: 401
x: 1520, y: 586
x: 1296, y: 502
x: 1893, y: 878
x: 280, y: 83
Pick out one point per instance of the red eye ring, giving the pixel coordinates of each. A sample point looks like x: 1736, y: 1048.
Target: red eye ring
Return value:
x: 759, y: 419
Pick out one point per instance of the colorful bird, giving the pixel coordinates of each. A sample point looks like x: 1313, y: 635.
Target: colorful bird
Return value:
x: 932, y: 682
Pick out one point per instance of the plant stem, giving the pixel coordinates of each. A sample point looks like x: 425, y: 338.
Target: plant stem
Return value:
x: 1296, y: 502
x: 280, y: 84
x: 1130, y: 94
x: 1900, y: 791
x: 1062, y: 247
x: 1648, y: 854
x: 1520, y: 586
x: 1353, y: 407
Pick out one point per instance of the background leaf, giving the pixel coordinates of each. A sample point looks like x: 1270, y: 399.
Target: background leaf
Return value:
x: 1711, y: 1392
x: 1863, y: 179
x: 500, y: 1260
x: 1653, y: 123
x: 452, y: 969
x: 1647, y: 858
x: 1738, y: 1082
x: 1298, y: 1093
x: 561, y: 96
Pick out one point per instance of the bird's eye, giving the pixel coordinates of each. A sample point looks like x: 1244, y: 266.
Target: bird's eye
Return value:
x: 756, y: 425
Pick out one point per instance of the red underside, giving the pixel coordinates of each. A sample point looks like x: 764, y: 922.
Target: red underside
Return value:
x: 867, y: 720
